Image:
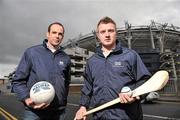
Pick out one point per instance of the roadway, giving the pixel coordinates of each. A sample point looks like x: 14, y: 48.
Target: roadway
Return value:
x: 12, y: 109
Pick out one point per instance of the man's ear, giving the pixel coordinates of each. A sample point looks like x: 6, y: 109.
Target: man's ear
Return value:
x: 47, y: 34
x: 97, y: 36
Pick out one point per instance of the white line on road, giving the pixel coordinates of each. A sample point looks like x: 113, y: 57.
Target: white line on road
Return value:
x: 160, y: 117
x: 73, y: 104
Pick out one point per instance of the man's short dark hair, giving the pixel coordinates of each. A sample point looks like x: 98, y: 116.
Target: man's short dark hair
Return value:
x: 58, y: 23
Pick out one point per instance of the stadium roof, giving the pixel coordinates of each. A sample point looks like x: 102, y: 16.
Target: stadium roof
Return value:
x: 144, y: 37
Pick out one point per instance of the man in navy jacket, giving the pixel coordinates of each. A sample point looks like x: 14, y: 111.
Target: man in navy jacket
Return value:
x: 45, y: 62
x: 110, y: 69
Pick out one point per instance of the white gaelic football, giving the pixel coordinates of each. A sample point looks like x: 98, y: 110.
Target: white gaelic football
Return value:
x: 42, y: 92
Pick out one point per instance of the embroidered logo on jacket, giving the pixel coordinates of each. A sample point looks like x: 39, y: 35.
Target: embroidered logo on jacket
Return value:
x: 61, y: 63
x: 118, y: 64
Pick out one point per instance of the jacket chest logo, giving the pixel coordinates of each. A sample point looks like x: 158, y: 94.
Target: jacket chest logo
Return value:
x: 118, y: 64
x: 61, y: 63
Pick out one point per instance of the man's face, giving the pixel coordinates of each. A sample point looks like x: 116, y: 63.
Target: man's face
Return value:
x: 55, y: 35
x: 107, y: 35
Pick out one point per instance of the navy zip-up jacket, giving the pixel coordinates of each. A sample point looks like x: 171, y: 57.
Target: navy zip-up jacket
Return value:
x: 40, y: 64
x: 104, y: 79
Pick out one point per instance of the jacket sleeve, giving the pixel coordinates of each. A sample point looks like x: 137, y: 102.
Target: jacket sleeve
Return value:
x: 68, y: 72
x: 68, y: 75
x: 20, y: 78
x: 139, y: 69
x: 140, y: 72
x: 86, y: 91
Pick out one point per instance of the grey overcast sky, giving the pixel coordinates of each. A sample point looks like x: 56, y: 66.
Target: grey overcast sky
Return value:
x: 24, y: 23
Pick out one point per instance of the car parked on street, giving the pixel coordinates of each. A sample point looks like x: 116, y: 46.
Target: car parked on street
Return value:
x: 151, y: 97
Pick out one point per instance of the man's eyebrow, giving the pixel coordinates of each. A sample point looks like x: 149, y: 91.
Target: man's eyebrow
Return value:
x: 61, y: 34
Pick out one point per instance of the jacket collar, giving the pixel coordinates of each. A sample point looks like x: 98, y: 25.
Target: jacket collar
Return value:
x: 45, y: 45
